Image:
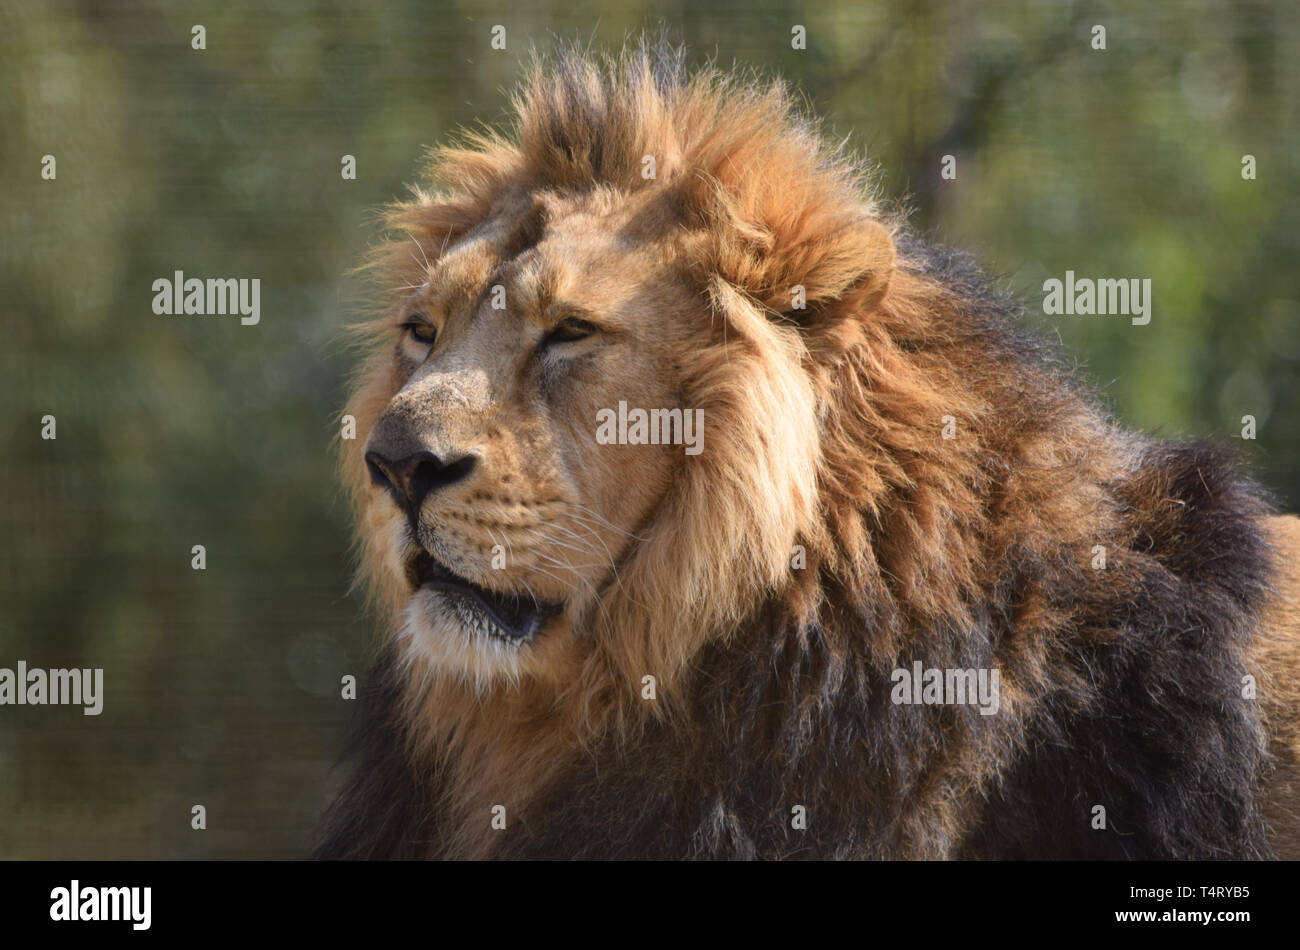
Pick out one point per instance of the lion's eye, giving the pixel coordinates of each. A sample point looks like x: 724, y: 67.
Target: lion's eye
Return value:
x: 569, y: 331
x: 421, y: 333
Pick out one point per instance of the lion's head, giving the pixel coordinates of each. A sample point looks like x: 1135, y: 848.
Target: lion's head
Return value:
x: 588, y: 437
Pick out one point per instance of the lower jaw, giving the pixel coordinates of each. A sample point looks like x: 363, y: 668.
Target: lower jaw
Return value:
x: 479, y: 620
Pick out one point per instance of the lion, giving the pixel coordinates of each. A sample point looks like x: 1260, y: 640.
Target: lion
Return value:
x: 599, y: 643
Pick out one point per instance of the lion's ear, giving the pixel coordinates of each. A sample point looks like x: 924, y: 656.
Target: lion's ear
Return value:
x: 841, y: 272
x: 799, y: 254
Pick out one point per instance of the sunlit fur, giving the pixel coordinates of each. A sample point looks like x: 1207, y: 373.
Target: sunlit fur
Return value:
x: 824, y: 431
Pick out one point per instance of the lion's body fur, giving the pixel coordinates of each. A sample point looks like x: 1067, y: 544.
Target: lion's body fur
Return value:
x: 1122, y: 687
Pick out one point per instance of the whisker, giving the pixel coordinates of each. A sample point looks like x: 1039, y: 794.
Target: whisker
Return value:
x: 591, y: 531
x: 427, y: 265
x: 560, y: 580
x: 537, y: 605
x: 547, y: 539
x: 563, y: 565
x: 601, y: 520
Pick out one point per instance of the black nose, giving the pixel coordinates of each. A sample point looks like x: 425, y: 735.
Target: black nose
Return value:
x: 409, y: 480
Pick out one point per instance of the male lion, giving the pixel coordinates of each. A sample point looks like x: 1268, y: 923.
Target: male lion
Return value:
x: 625, y: 649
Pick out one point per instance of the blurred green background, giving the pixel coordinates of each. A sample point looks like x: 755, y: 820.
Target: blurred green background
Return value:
x: 222, y: 685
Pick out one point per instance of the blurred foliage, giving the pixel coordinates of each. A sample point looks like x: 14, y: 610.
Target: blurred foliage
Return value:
x: 222, y: 685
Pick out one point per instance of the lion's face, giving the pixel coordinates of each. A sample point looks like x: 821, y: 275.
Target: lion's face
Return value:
x: 500, y: 511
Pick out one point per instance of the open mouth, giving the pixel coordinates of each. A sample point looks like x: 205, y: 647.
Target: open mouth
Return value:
x: 513, y: 617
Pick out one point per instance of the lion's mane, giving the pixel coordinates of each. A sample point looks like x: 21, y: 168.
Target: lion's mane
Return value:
x: 1121, y: 687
